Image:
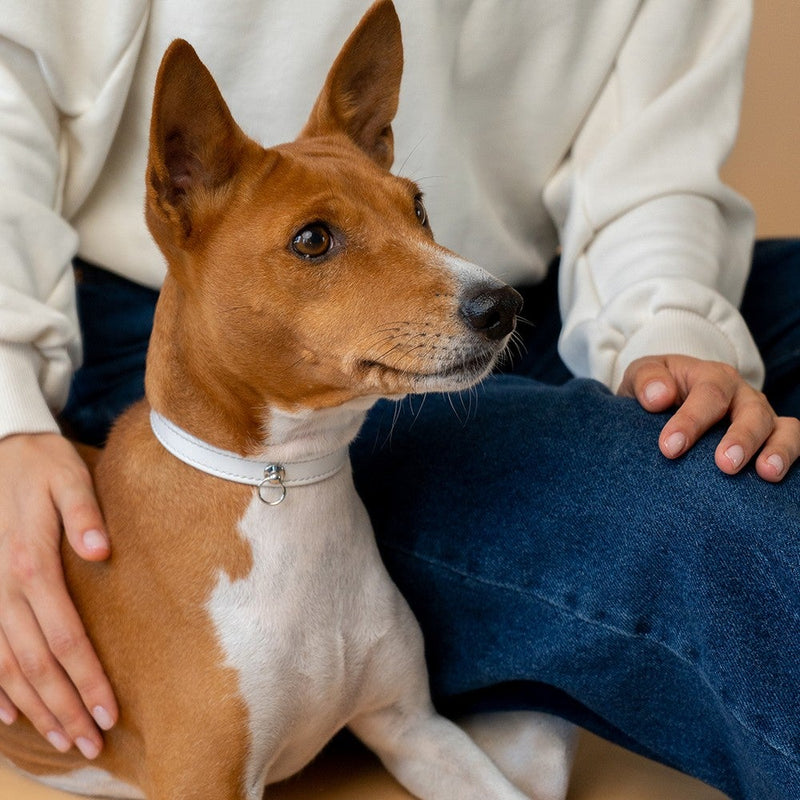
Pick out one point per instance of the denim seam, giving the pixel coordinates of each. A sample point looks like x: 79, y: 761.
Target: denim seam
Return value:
x: 568, y: 611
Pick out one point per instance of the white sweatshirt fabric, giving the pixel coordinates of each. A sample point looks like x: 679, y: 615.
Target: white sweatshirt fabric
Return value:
x: 596, y: 126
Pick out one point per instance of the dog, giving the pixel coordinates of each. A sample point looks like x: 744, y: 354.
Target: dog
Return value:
x: 245, y: 616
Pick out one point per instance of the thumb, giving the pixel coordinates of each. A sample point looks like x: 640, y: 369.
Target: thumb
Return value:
x: 650, y: 381
x: 83, y: 523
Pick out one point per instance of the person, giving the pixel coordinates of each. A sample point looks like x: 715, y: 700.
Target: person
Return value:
x: 607, y: 528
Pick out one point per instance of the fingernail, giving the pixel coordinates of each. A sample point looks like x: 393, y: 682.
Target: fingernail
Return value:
x: 102, y: 718
x: 95, y: 540
x: 777, y: 463
x: 655, y: 391
x: 6, y: 717
x: 87, y: 747
x: 735, y: 454
x: 675, y: 443
x: 59, y: 741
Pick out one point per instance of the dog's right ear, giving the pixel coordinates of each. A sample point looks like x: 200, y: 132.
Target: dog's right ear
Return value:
x: 196, y: 147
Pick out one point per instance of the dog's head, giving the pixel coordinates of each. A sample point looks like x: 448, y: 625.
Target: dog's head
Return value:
x: 306, y: 274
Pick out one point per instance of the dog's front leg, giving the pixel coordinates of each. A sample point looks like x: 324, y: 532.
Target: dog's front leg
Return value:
x: 431, y: 756
x: 533, y: 749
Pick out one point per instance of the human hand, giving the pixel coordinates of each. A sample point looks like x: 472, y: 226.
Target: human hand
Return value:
x: 706, y: 392
x: 48, y: 668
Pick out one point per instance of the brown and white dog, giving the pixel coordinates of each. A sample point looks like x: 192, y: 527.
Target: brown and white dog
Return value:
x: 245, y: 615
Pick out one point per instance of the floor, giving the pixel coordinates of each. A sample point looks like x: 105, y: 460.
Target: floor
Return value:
x: 602, y: 772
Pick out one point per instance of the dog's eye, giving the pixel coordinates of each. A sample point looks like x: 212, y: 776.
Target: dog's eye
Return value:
x: 419, y: 210
x: 313, y: 241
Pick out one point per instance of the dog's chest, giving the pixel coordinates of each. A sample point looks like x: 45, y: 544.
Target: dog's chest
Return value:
x: 303, y: 626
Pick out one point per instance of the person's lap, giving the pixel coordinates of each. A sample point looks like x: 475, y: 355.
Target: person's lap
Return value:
x: 556, y: 560
x: 654, y: 596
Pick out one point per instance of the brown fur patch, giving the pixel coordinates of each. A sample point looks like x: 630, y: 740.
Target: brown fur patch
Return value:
x: 145, y: 613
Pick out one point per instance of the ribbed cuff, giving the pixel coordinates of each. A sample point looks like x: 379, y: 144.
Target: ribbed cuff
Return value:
x: 681, y: 332
x: 23, y: 408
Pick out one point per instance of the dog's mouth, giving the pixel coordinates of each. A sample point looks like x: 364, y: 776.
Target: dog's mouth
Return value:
x: 455, y: 374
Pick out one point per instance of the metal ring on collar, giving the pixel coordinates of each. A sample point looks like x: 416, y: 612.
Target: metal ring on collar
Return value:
x: 274, y: 475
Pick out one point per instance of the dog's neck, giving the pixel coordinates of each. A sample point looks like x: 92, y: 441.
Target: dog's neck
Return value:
x: 191, y: 391
x: 296, y: 435
x: 182, y: 384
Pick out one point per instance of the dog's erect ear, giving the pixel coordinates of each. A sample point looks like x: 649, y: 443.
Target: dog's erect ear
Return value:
x: 195, y: 144
x: 361, y: 92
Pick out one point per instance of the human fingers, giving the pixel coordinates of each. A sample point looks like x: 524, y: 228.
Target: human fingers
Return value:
x: 71, y: 649
x: 21, y: 695
x: 69, y: 645
x: 780, y: 451
x: 74, y: 498
x: 8, y: 711
x: 53, y: 683
x: 57, y: 667
x: 753, y: 422
x: 706, y: 391
x: 714, y: 391
x: 650, y: 381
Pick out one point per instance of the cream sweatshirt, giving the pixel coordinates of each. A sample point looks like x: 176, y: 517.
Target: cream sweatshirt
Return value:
x: 596, y: 126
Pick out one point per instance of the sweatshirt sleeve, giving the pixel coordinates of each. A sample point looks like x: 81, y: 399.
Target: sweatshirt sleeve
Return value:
x: 655, y: 248
x: 60, y: 103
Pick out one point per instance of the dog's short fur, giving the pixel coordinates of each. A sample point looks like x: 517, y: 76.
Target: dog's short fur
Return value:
x: 303, y: 283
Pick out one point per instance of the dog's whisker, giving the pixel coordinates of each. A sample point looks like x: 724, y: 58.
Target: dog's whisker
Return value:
x: 416, y: 414
x: 411, y: 153
x: 422, y: 179
x: 514, y: 349
x: 401, y: 329
x: 383, y: 356
x: 453, y: 407
x: 524, y: 321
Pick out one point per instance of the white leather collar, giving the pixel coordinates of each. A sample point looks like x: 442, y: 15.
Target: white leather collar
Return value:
x: 272, y: 479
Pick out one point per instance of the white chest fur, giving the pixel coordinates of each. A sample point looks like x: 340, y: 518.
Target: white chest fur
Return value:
x: 303, y: 628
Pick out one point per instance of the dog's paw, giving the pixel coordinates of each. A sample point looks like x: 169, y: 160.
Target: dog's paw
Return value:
x: 533, y: 750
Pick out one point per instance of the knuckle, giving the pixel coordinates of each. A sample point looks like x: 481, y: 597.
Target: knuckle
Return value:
x: 642, y: 368
x: 756, y: 401
x: 64, y: 644
x: 728, y: 372
x: 758, y: 413
x: 72, y: 716
x: 769, y: 420
x: 23, y: 565
x: 72, y: 490
x: 89, y: 687
x: 791, y: 427
x: 8, y: 669
x: 750, y: 439
x: 691, y: 419
x: 716, y: 395
x: 34, y: 666
x: 70, y: 470
x: 80, y: 509
x: 793, y: 424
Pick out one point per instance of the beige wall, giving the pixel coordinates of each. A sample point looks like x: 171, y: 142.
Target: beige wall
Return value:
x: 765, y: 165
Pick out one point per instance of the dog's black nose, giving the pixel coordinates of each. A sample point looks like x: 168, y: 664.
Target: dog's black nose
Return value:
x: 492, y: 311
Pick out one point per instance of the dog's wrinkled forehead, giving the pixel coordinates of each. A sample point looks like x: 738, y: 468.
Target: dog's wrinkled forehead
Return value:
x: 332, y: 182
x: 336, y: 169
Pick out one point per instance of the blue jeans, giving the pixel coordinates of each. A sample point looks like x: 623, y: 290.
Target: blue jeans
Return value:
x: 556, y: 560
